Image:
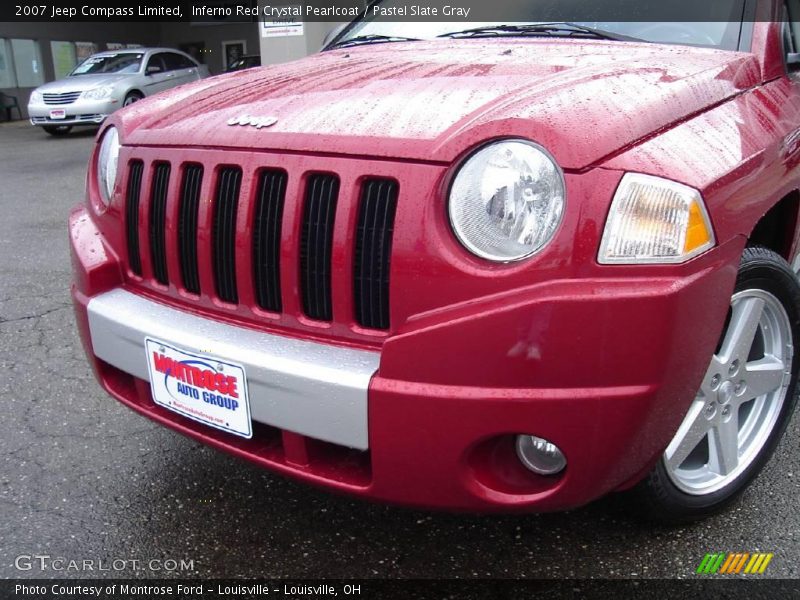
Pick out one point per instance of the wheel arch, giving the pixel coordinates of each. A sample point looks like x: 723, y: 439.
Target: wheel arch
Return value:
x: 777, y: 229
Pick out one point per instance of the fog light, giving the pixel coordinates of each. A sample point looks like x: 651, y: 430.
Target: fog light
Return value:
x: 539, y: 455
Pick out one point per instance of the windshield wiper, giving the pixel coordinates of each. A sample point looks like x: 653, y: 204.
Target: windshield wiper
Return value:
x: 537, y: 29
x: 370, y: 39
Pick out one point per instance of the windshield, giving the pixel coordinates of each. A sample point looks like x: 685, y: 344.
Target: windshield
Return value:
x: 128, y: 62
x: 715, y: 34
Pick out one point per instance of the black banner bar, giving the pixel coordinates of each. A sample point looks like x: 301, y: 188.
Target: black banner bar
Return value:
x: 458, y: 11
x: 708, y: 588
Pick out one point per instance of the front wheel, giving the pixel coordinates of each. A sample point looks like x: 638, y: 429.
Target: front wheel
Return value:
x: 744, y: 403
x: 131, y: 98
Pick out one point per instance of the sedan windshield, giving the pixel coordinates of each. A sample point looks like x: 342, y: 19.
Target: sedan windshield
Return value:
x: 715, y: 34
x: 125, y: 63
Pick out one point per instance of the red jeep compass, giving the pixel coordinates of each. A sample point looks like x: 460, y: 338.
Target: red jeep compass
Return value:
x: 501, y: 267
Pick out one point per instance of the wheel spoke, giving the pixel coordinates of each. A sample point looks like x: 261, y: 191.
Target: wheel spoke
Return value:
x: 763, y: 376
x: 693, y: 430
x: 723, y: 450
x: 745, y: 317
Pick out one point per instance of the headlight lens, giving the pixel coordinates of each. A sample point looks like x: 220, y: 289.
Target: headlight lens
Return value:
x: 107, y: 159
x: 36, y: 97
x: 507, y: 200
x: 655, y: 220
x: 98, y: 93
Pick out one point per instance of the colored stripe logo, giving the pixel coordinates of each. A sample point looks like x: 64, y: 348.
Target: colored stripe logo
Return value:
x: 734, y: 563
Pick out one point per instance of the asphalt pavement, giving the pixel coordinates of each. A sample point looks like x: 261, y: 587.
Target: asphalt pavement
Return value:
x: 84, y: 478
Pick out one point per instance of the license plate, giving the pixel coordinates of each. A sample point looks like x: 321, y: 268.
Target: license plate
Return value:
x: 58, y: 114
x: 202, y: 387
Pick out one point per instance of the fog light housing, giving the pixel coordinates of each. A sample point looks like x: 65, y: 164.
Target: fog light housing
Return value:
x: 540, y: 456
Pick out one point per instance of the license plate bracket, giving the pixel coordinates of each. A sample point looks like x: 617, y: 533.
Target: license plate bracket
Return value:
x: 202, y: 387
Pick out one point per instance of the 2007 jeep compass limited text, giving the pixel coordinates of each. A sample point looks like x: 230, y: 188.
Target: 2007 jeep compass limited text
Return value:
x: 502, y: 267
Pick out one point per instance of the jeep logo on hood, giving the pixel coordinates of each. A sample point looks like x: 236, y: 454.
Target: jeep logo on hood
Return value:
x: 257, y: 122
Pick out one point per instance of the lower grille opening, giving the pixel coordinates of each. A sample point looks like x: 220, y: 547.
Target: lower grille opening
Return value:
x: 329, y: 461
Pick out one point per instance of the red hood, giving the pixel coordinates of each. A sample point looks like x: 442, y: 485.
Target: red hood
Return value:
x: 434, y: 100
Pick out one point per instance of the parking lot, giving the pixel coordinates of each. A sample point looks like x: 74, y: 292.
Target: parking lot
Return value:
x: 83, y: 477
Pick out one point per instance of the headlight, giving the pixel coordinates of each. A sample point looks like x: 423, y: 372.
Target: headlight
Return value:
x: 107, y: 159
x: 36, y: 97
x: 507, y: 200
x: 654, y: 220
x: 98, y: 93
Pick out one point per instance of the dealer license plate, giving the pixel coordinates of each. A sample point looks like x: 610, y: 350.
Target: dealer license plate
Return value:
x: 58, y: 114
x: 202, y: 387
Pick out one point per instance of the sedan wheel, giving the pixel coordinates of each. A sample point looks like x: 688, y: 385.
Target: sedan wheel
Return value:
x: 131, y: 98
x: 744, y: 403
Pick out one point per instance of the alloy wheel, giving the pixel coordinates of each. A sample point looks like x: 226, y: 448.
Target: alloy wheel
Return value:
x: 740, y: 399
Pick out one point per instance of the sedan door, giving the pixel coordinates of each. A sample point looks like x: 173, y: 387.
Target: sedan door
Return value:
x: 183, y: 68
x: 158, y: 77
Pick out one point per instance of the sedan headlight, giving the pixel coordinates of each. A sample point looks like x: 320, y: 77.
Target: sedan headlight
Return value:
x: 98, y: 93
x: 507, y: 200
x: 36, y: 97
x: 107, y: 159
x: 655, y: 220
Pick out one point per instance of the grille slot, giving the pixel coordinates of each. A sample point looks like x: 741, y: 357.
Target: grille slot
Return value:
x: 224, y: 234
x: 158, y: 218
x: 373, y: 250
x: 267, y: 239
x: 316, y: 245
x: 63, y: 98
x: 187, y: 227
x: 135, y: 170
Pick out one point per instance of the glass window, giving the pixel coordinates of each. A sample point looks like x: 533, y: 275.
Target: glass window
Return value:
x: 123, y: 62
x: 7, y: 78
x: 64, y: 58
x: 156, y: 64
x: 175, y: 62
x: 27, y: 63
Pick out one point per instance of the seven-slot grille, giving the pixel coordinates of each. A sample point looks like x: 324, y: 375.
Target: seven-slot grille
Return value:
x: 313, y: 251
x: 63, y: 98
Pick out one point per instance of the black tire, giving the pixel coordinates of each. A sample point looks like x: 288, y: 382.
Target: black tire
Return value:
x: 657, y: 498
x: 131, y: 98
x: 57, y: 130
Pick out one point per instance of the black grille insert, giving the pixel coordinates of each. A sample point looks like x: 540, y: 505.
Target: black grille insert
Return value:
x: 158, y: 222
x: 187, y: 227
x: 267, y: 239
x: 224, y: 234
x: 316, y: 245
x: 135, y: 170
x: 373, y: 251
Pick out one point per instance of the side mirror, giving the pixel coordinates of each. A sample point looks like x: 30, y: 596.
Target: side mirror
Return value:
x: 152, y: 70
x: 333, y: 34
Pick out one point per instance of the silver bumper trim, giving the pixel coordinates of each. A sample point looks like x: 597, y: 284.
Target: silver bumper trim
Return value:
x: 313, y: 389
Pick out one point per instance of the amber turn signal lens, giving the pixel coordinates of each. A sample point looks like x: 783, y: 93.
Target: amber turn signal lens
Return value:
x: 654, y: 220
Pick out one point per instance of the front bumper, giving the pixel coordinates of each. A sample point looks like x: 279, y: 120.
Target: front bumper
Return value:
x: 616, y: 361
x: 80, y: 112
